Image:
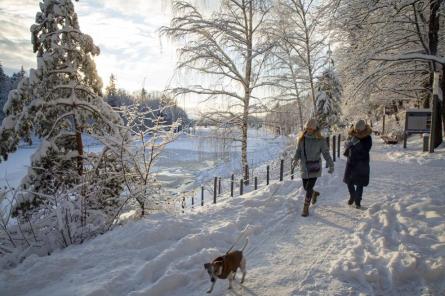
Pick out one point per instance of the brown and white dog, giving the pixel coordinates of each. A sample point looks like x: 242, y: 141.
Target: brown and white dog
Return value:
x: 225, y: 267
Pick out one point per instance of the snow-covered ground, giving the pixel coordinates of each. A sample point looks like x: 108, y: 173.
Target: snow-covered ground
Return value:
x: 396, y: 246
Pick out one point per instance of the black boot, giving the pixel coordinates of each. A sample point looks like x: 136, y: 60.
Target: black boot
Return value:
x: 358, y: 205
x: 350, y: 201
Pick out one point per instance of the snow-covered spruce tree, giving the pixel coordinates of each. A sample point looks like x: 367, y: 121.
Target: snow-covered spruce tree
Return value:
x: 328, y: 99
x: 60, y: 104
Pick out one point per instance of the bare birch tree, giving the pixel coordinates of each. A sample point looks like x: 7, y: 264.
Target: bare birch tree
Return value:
x: 302, y: 42
x: 229, y: 49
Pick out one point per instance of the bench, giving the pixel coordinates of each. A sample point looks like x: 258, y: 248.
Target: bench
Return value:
x: 389, y: 140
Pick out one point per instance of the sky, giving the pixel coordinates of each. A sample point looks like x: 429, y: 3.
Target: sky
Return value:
x: 126, y: 32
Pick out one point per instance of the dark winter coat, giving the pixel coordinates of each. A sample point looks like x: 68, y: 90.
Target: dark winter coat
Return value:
x: 357, y: 167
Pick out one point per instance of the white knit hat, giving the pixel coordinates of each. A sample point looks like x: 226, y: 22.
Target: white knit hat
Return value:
x: 360, y: 125
x: 312, y: 124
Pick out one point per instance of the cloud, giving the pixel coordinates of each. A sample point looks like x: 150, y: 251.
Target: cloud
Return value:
x: 126, y: 32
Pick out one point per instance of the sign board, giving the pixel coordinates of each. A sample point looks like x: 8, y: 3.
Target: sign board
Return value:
x: 418, y: 121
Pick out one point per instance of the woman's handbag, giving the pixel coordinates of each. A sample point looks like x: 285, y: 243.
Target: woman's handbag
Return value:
x: 312, y: 166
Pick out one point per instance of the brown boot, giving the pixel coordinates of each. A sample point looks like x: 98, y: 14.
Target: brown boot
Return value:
x: 305, y: 212
x: 315, y: 194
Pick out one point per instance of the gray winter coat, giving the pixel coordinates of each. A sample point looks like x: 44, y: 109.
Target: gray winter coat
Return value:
x: 314, y: 147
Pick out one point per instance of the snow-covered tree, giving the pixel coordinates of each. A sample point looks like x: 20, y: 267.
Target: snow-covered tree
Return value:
x: 60, y: 104
x: 228, y: 49
x: 328, y: 99
x: 298, y: 27
x: 150, y: 133
x: 111, y: 89
x: 389, y: 50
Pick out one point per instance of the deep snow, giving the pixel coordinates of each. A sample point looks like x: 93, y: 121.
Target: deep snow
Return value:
x: 394, y: 247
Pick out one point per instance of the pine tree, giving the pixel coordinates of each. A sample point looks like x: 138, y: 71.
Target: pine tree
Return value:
x: 60, y: 104
x: 328, y: 98
x: 111, y: 90
x: 4, y: 81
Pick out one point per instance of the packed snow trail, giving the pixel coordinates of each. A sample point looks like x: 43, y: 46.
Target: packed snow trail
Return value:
x: 395, y: 247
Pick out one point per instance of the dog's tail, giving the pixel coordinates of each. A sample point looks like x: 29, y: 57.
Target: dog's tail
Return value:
x: 245, y: 244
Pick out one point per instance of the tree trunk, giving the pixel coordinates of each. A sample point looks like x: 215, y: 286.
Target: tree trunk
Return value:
x: 433, y: 41
x: 247, y: 92
x: 79, y: 147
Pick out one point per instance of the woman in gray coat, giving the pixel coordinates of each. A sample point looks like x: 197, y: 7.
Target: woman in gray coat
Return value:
x: 309, y: 148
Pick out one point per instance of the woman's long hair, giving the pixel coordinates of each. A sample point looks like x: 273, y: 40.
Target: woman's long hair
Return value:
x: 317, y: 134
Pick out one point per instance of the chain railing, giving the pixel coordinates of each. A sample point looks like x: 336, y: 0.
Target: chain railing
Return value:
x: 220, y: 188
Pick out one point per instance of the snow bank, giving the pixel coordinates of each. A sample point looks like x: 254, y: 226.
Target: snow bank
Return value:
x: 414, y: 154
x: 161, y: 255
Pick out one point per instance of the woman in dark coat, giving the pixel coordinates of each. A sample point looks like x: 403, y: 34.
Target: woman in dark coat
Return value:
x: 357, y: 167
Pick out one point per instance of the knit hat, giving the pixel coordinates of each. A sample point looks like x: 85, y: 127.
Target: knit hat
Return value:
x: 360, y: 125
x: 311, y: 124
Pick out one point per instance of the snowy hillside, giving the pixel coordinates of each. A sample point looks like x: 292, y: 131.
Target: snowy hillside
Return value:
x: 396, y: 246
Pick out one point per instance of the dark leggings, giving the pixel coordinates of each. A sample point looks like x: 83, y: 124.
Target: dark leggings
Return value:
x: 356, y: 192
x: 308, y: 185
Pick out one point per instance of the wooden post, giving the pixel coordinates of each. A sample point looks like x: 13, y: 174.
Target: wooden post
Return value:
x: 426, y: 139
x: 246, y: 173
x: 241, y: 187
x: 219, y: 186
x: 338, y: 146
x: 267, y: 175
x: 193, y: 201
x: 202, y: 195
x: 183, y: 204
x: 214, y: 189
x: 334, y: 143
x: 256, y: 183
x: 232, y: 182
x: 281, y: 169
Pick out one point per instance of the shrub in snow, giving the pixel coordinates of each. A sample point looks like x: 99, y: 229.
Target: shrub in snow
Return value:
x: 150, y: 133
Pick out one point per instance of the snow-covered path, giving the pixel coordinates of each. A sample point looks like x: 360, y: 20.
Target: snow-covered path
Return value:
x: 395, y: 247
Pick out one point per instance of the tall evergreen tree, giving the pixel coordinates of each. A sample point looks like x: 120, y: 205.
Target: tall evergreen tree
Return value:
x: 328, y: 95
x: 60, y: 104
x: 111, y: 89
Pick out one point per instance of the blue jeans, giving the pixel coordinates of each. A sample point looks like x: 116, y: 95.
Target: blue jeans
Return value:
x: 356, y: 192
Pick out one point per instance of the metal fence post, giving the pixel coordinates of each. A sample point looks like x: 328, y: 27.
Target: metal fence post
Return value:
x: 256, y: 183
x: 232, y: 181
x: 338, y: 146
x: 214, y: 189
x: 267, y: 175
x: 334, y: 153
x: 292, y: 170
x: 219, y: 186
x: 329, y: 147
x: 202, y: 195
x: 281, y: 169
x: 241, y: 186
